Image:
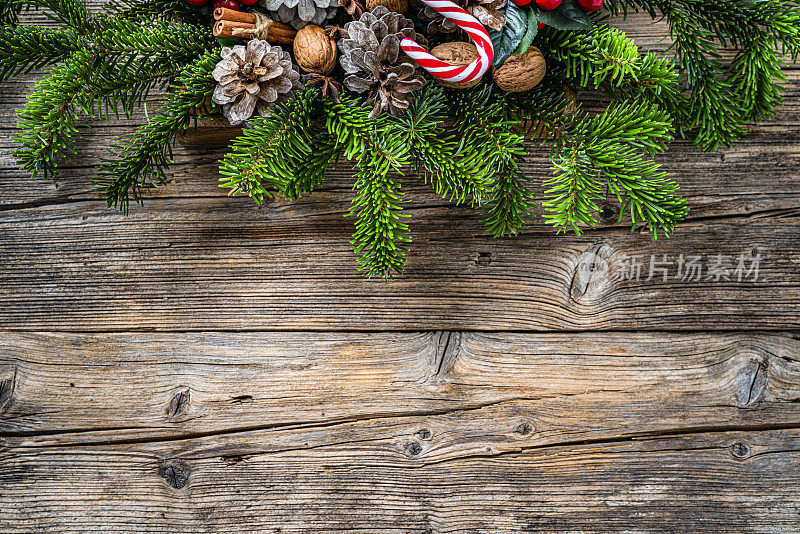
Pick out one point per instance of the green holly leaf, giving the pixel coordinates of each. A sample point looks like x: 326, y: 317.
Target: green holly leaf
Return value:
x: 508, y: 38
x: 530, y: 33
x: 567, y: 16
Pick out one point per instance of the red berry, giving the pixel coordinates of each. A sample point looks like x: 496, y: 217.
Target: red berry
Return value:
x: 197, y: 2
x: 541, y: 25
x: 548, y: 4
x: 248, y: 2
x: 590, y: 5
x: 219, y: 3
x: 232, y: 4
x: 521, y: 3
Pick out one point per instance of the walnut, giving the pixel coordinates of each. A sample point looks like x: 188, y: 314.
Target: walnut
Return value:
x: 314, y: 51
x: 521, y: 73
x: 398, y: 6
x: 457, y: 53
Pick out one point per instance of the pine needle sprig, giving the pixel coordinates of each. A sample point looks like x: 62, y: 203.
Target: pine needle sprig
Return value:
x: 138, y: 163
x: 605, y: 58
x: 268, y: 153
x: 572, y: 192
x: 455, y: 172
x: 27, y: 48
x: 138, y: 10
x: 378, y: 148
x: 71, y: 13
x: 9, y: 11
x: 722, y: 99
x: 47, y: 122
x: 309, y: 172
x: 492, y: 135
x: 381, y: 237
x: 614, y: 150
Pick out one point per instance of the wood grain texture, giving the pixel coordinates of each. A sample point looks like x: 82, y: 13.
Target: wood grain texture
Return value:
x: 212, y: 263
x: 206, y: 366
x: 436, y: 432
x: 193, y: 259
x: 122, y: 387
x: 376, y: 482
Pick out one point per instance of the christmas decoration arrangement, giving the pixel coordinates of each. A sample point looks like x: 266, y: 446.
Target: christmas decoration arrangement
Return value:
x: 442, y: 91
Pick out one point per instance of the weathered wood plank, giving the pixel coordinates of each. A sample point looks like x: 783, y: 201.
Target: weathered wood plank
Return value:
x: 424, y: 432
x: 489, y: 387
x: 213, y: 263
x: 394, y: 481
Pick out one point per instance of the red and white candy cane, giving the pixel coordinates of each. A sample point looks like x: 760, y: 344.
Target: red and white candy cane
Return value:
x: 446, y: 71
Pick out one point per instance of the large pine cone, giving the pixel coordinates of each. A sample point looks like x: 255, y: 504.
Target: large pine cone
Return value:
x: 374, y: 63
x: 300, y: 13
x: 253, y: 78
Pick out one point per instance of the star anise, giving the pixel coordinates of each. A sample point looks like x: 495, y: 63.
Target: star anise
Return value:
x: 353, y: 8
x: 328, y: 86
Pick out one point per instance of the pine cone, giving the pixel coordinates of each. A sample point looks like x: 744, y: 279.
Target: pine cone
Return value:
x: 488, y: 12
x: 300, y: 13
x: 253, y: 78
x: 374, y: 63
x: 437, y: 23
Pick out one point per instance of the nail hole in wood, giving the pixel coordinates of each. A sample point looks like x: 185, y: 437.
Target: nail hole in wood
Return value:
x: 484, y: 259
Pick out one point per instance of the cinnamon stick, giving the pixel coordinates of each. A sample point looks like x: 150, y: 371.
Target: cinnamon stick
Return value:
x: 223, y: 13
x: 278, y: 33
x: 224, y: 28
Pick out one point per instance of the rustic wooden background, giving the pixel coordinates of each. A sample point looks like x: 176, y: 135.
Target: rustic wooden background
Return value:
x: 202, y: 365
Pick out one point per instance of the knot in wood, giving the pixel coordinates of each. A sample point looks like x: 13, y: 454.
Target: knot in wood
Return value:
x: 413, y: 448
x: 609, y: 213
x: 6, y: 392
x: 524, y: 429
x: 739, y: 450
x: 179, y: 403
x: 424, y: 433
x: 175, y: 472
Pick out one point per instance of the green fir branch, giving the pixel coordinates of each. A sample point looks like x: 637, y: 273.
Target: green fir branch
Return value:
x: 71, y: 13
x: 381, y: 237
x: 272, y: 151
x: 9, y: 11
x: 27, y: 48
x: 721, y: 100
x: 309, y: 171
x: 572, y: 192
x: 614, y: 150
x: 605, y: 58
x: 378, y: 148
x: 174, y: 10
x: 455, y: 172
x: 491, y: 135
x: 139, y: 162
x: 47, y: 122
